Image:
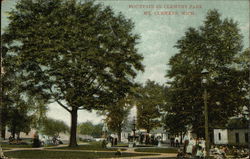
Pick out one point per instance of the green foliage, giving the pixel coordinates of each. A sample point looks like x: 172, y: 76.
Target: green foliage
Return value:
x: 175, y: 123
x: 242, y: 62
x: 149, y: 102
x: 88, y: 128
x: 53, y: 128
x: 238, y: 123
x: 20, y: 110
x: 15, y: 103
x: 19, y: 120
x: 213, y: 46
x: 69, y: 58
x: 80, y: 55
x: 116, y: 115
x: 22, y: 115
x: 38, y: 112
x: 244, y: 59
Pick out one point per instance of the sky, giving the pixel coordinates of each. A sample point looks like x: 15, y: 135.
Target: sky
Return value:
x: 160, y: 23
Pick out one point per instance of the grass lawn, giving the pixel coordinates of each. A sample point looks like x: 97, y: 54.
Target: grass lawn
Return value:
x: 43, y: 154
x: 9, y: 146
x: 121, y: 145
x: 157, y: 150
x: 92, y: 146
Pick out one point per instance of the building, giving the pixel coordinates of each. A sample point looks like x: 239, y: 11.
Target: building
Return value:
x: 231, y: 136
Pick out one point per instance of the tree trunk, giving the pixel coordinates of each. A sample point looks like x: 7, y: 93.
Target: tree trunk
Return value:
x: 147, y: 137
x: 3, y: 129
x: 13, y: 132
x: 119, y: 135
x: 72, y: 141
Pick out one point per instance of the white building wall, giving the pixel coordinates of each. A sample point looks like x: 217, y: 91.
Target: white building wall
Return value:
x: 124, y: 137
x: 220, y: 136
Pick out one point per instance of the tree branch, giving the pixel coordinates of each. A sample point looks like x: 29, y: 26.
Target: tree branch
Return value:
x: 97, y: 88
x: 59, y: 101
x: 91, y: 75
x: 63, y: 105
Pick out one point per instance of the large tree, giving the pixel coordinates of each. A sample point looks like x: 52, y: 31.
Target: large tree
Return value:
x: 79, y: 54
x: 150, y: 100
x: 212, y: 46
x: 116, y: 116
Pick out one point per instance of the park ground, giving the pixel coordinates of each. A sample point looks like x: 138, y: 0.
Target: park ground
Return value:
x: 91, y: 150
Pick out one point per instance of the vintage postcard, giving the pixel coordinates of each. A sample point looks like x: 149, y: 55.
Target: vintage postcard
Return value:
x: 124, y: 78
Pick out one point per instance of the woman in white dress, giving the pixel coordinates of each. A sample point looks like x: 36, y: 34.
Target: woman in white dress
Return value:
x: 190, y: 146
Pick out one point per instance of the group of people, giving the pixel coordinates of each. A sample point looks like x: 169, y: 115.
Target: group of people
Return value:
x: 195, y: 148
x: 220, y: 152
x: 192, y: 148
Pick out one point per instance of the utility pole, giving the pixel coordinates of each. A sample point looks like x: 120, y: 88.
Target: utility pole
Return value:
x: 205, y: 72
x: 207, y: 143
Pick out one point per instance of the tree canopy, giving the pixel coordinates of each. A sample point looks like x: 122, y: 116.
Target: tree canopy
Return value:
x: 117, y: 116
x: 52, y: 127
x: 150, y: 100
x: 213, y: 46
x: 88, y: 128
x: 79, y: 54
